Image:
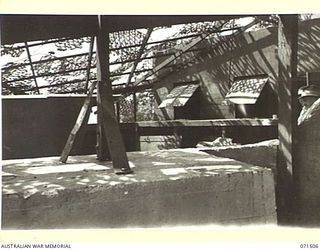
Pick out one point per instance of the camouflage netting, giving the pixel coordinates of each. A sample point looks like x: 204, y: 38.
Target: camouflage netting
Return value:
x: 12, y: 50
x: 123, y: 39
x: 145, y: 107
x: 73, y: 69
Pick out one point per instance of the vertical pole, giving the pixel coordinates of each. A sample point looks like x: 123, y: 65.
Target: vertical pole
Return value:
x: 106, y: 104
x: 288, y: 114
x: 118, y: 110
x: 102, y: 149
x: 134, y: 107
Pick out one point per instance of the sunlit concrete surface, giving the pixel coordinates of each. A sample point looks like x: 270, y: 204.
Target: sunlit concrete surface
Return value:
x: 168, y: 188
x: 262, y: 154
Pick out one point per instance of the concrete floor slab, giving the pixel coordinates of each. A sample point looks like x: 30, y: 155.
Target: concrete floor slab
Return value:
x: 168, y: 188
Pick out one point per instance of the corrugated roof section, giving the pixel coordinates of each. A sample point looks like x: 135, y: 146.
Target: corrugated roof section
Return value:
x: 246, y: 91
x: 179, y: 96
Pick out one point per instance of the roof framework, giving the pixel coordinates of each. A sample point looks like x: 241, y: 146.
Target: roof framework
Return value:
x: 132, y: 58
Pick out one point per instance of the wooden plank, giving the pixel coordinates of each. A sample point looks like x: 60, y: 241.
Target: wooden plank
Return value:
x: 36, y: 27
x: 288, y: 107
x: 101, y: 147
x: 106, y: 105
x: 134, y: 97
x: 32, y: 69
x: 89, y: 62
x: 129, y: 89
x: 77, y: 126
x: 137, y: 59
x: 128, y: 73
x: 118, y: 111
x: 209, y: 123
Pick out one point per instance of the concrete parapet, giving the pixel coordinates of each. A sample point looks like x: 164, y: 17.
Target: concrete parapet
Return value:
x: 263, y: 154
x: 168, y: 188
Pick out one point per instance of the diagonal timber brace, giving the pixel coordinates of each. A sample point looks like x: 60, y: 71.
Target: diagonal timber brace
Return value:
x: 108, y: 119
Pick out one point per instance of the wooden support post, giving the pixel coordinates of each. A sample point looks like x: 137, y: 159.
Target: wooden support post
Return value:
x: 137, y: 137
x: 106, y: 105
x: 101, y: 147
x: 81, y: 117
x: 288, y: 108
x: 118, y: 111
x: 134, y: 96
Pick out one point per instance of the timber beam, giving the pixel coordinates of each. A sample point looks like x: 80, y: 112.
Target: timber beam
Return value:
x: 288, y: 108
x: 106, y: 109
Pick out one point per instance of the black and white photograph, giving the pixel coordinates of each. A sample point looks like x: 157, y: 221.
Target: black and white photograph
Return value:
x: 160, y: 121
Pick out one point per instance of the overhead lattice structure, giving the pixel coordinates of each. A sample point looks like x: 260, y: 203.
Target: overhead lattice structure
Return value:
x: 68, y: 65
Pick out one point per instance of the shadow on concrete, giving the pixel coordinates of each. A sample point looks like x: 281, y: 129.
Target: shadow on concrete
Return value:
x: 48, y: 176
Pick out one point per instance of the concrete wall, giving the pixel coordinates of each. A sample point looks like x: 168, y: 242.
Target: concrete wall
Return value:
x: 158, y: 142
x: 36, y: 126
x: 168, y: 188
x: 263, y: 154
x: 39, y: 126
